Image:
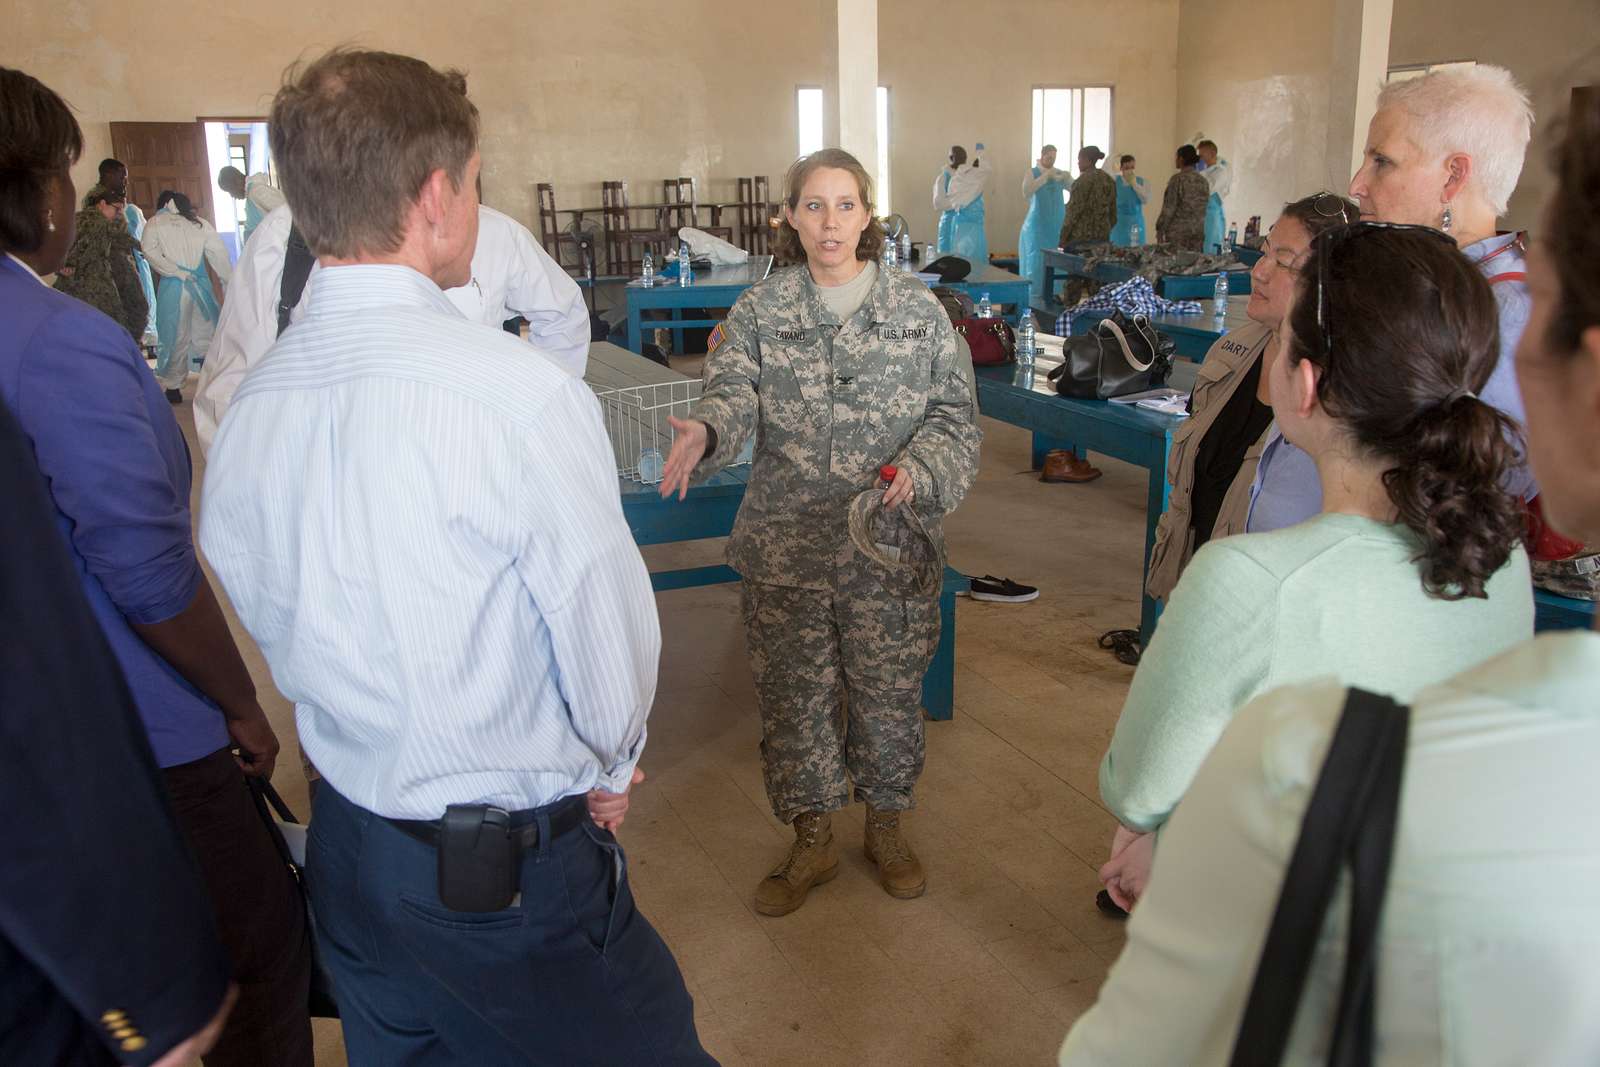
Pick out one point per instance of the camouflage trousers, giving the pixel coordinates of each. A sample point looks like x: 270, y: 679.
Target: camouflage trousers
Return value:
x: 839, y: 681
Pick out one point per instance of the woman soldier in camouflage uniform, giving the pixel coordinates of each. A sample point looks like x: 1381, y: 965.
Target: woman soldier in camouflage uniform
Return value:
x: 839, y: 369
x: 1182, y: 223
x: 100, y: 269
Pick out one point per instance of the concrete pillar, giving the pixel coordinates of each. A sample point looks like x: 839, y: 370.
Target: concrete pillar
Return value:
x: 1360, y: 64
x: 850, y: 102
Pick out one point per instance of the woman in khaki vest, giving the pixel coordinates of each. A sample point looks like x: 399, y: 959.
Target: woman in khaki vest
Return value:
x: 1215, y: 452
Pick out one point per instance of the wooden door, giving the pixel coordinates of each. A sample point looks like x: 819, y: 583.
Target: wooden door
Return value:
x: 165, y: 155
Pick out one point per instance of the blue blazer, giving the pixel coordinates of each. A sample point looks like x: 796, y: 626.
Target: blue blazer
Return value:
x: 108, y: 949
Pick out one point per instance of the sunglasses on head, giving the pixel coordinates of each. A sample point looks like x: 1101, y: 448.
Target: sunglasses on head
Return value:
x: 1328, y: 240
x: 1334, y: 206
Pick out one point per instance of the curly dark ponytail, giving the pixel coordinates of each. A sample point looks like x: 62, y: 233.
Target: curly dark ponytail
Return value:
x: 1447, y: 490
x: 1414, y: 333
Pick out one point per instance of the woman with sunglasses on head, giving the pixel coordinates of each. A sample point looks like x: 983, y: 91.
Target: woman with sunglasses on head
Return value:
x: 1443, y: 150
x: 1214, y: 453
x: 1413, y: 570
x: 1485, y: 950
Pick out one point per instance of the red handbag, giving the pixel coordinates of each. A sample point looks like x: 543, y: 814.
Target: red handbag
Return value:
x: 991, y: 340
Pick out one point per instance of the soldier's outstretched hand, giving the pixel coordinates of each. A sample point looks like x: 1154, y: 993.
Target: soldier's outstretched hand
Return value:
x: 688, y: 448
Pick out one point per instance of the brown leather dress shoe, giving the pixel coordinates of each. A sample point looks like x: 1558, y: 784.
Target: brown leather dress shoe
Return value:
x: 1063, y: 465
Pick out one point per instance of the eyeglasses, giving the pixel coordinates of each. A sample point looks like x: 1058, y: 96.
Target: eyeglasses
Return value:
x: 1328, y: 240
x: 1332, y: 205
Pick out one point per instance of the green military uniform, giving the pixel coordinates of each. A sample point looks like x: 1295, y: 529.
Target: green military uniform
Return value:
x: 100, y: 271
x: 1091, y: 208
x: 832, y: 634
x: 1182, y: 223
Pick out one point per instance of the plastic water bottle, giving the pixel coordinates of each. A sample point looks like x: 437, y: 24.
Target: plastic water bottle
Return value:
x: 685, y: 270
x: 889, y: 255
x: 647, y: 270
x: 1026, y: 337
x: 905, y: 250
x: 1233, y: 233
x: 1136, y: 234
x: 652, y: 467
x: 985, y: 308
x: 1219, y: 295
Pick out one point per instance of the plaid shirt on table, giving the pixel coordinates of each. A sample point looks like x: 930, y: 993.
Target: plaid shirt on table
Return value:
x: 1133, y: 297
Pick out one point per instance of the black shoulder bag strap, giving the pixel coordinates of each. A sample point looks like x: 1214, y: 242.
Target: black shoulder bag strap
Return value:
x: 297, y: 262
x: 1351, y: 818
x: 320, y: 1000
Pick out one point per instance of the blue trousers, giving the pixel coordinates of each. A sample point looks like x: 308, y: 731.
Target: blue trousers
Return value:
x: 570, y: 974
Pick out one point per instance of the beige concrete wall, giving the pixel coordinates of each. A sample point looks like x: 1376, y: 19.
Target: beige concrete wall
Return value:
x: 573, y: 93
x: 1550, y: 45
x: 1257, y: 79
x: 578, y: 93
x: 960, y: 73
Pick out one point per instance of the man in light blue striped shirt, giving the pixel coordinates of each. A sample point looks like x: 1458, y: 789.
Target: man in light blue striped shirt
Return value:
x: 421, y: 528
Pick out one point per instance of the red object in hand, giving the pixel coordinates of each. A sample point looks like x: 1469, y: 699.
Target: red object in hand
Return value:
x: 887, y: 473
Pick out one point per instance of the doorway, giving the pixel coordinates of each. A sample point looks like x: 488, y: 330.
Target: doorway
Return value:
x: 240, y: 143
x: 186, y: 156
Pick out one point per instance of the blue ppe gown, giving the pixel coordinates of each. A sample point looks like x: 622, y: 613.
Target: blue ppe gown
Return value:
x: 1040, y: 230
x: 1130, y: 210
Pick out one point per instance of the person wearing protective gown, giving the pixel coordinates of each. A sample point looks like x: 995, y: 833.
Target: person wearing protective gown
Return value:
x: 1042, y: 188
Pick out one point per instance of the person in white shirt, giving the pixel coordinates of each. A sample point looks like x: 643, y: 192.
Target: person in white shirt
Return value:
x: 511, y: 276
x: 185, y: 250
x: 420, y: 527
x: 261, y: 197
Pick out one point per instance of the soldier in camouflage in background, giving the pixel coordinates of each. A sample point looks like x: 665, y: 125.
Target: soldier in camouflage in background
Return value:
x: 838, y: 368
x: 1182, y: 222
x: 1092, y: 206
x: 100, y: 268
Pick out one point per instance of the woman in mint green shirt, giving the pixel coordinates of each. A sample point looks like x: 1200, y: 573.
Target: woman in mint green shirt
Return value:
x: 1487, y: 946
x: 1413, y: 571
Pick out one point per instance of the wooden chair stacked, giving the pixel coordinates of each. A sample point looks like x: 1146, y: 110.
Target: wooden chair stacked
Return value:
x: 623, y: 240
x: 682, y: 209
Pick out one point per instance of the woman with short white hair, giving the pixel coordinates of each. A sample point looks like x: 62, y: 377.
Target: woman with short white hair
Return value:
x: 1443, y: 150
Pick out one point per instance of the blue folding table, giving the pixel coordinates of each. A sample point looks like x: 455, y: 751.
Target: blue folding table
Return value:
x: 720, y: 287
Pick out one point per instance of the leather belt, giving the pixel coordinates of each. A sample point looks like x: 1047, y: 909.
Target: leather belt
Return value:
x: 564, y: 815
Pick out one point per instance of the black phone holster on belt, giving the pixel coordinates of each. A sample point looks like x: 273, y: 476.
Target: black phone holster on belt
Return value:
x: 480, y: 852
x: 479, y: 858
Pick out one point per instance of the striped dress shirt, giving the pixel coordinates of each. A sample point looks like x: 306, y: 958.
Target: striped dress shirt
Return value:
x: 420, y: 526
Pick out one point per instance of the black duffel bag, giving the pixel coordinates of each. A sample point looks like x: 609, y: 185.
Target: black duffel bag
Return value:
x: 1121, y: 355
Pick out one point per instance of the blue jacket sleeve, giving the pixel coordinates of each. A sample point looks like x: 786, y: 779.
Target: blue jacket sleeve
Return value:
x: 121, y: 480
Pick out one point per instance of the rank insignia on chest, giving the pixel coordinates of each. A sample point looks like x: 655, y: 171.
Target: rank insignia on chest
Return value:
x: 846, y: 379
x: 903, y: 333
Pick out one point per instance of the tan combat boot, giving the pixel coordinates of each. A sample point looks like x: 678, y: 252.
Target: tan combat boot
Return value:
x: 899, y: 870
x: 812, y: 860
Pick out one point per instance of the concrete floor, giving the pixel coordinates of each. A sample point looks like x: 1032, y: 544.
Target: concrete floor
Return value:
x: 1006, y: 948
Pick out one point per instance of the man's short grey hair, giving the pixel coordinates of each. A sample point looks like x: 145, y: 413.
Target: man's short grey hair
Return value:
x: 1478, y: 111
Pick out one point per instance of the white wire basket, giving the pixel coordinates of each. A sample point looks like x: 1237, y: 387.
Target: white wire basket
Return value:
x: 636, y: 422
